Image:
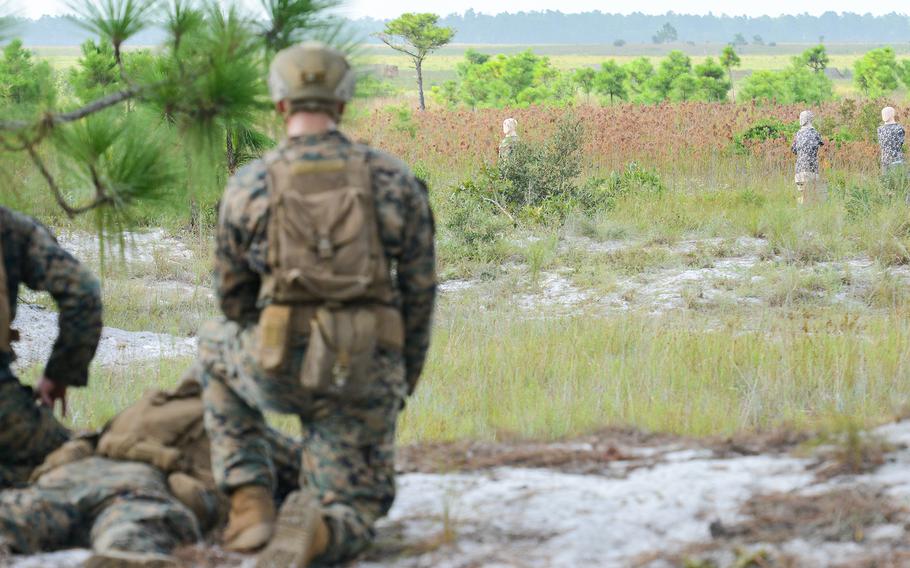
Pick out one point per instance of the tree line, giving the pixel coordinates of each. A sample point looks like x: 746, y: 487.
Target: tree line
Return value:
x: 532, y: 28
x: 524, y: 79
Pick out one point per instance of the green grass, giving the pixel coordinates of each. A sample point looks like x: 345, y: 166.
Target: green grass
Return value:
x: 560, y: 377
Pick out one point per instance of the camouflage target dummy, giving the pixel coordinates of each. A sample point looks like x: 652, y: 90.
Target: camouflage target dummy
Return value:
x: 31, y: 256
x: 811, y: 190
x: 325, y: 272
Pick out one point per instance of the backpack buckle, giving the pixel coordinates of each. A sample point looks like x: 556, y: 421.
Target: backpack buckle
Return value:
x: 325, y: 249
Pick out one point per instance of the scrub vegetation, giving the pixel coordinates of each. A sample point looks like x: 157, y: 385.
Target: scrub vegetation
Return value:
x: 638, y: 261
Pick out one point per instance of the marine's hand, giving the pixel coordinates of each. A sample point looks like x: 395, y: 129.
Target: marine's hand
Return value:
x: 48, y: 392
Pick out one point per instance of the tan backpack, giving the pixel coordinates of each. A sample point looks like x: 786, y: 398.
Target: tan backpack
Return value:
x: 329, y: 276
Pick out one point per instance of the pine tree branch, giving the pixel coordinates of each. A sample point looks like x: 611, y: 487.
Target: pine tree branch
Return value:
x: 71, y: 211
x: 99, y: 105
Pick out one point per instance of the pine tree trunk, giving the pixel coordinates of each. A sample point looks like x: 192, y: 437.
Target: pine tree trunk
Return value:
x: 732, y: 88
x: 419, y: 66
x: 229, y: 153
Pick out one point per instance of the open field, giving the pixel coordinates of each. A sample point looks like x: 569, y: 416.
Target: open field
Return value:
x: 691, y: 371
x: 713, y: 307
x: 440, y: 66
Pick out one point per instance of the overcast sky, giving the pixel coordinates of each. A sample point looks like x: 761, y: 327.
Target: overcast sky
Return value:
x: 392, y: 8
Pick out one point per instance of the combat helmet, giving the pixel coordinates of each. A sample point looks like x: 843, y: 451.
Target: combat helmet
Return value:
x: 312, y: 77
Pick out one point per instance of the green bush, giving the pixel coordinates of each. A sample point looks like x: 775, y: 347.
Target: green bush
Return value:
x: 538, y: 174
x: 370, y: 86
x: 762, y: 131
x: 602, y: 193
x: 472, y: 228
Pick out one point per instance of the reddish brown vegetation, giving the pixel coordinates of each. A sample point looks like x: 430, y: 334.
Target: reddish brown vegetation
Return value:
x: 685, y: 137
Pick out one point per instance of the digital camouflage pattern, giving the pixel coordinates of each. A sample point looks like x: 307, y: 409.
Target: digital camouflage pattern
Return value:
x: 111, y: 504
x: 806, y: 145
x: 28, y: 433
x: 891, y: 140
x: 126, y: 506
x: 405, y: 224
x: 507, y: 146
x: 348, y: 447
x: 31, y: 256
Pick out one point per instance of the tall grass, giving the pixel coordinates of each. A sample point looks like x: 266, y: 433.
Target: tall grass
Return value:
x: 549, y: 378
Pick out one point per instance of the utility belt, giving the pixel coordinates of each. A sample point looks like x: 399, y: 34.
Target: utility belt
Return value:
x: 341, y: 341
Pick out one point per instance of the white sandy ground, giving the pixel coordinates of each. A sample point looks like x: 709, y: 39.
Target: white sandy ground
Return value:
x: 659, y: 500
x: 554, y: 291
x: 654, y: 500
x: 138, y: 246
x: 117, y: 347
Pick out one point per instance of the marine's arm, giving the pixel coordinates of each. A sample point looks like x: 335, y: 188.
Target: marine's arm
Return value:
x: 417, y: 276
x: 241, y: 219
x: 47, y: 267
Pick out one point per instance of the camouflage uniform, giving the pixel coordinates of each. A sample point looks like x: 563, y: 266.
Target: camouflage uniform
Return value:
x: 32, y: 257
x: 111, y: 504
x: 348, y: 447
x: 127, y: 506
x: 507, y: 147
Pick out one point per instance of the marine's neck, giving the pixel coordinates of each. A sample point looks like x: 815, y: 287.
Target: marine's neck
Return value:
x: 309, y: 124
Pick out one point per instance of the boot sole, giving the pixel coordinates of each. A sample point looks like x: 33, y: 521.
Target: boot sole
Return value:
x: 294, y: 533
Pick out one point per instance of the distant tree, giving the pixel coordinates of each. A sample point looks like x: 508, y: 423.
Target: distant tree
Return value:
x: 728, y: 60
x: 712, y: 81
x: 675, y: 65
x: 416, y: 35
x: 96, y: 73
x: 611, y: 81
x: 796, y: 84
x: 474, y: 57
x: 903, y: 71
x: 23, y: 79
x: 619, y: 43
x: 804, y: 86
x: 740, y: 40
x: 639, y: 74
x: 666, y: 34
x: 684, y: 88
x: 584, y: 78
x: 816, y: 58
x: 517, y: 80
x: 757, y: 40
x: 876, y: 73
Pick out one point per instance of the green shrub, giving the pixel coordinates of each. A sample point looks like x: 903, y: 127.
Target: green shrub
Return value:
x: 599, y: 194
x: 762, y: 131
x: 472, y: 227
x: 538, y: 174
x: 370, y: 86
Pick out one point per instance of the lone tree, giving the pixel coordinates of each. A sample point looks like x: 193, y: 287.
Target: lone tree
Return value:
x: 584, y: 79
x: 816, y: 58
x: 728, y: 60
x: 666, y: 34
x: 416, y: 35
x: 611, y: 81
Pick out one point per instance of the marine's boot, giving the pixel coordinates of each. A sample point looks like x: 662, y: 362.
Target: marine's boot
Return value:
x: 252, y: 519
x: 300, y: 535
x: 118, y: 559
